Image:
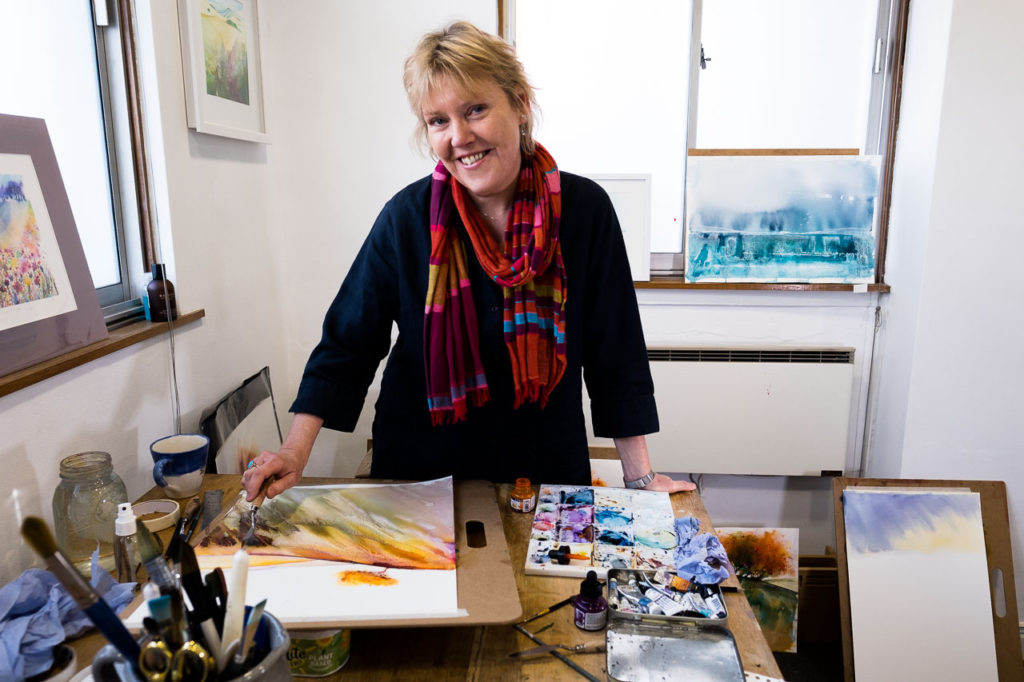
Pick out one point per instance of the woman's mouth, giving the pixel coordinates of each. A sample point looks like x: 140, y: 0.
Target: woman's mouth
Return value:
x: 472, y: 158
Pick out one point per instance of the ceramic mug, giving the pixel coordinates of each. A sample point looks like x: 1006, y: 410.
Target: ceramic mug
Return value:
x: 179, y: 462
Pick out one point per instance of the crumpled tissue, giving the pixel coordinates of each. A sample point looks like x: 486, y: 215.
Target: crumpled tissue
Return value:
x: 37, y: 613
x: 699, y: 555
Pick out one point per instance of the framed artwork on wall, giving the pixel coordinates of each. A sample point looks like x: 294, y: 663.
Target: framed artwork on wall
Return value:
x: 223, y: 68
x: 48, y: 303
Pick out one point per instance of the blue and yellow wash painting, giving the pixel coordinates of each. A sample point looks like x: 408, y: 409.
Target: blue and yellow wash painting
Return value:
x: 781, y: 218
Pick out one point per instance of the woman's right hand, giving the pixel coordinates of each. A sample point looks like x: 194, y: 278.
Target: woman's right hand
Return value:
x: 287, y: 463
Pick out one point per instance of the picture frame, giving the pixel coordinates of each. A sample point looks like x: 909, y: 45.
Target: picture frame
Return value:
x: 48, y: 302
x: 222, y: 60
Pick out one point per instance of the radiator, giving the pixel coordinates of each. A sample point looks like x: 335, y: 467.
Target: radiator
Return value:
x: 751, y: 411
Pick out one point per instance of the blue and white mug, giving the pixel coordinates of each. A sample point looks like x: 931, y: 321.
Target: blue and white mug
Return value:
x: 179, y: 463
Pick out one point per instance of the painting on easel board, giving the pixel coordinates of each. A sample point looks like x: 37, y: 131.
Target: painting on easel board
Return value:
x: 602, y: 528
x: 916, y: 558
x: 346, y: 552
x: 765, y: 560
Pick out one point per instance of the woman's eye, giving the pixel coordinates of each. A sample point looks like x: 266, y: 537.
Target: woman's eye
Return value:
x: 436, y: 121
x: 477, y: 108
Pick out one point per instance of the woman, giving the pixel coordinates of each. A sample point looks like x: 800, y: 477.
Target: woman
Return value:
x: 508, y: 281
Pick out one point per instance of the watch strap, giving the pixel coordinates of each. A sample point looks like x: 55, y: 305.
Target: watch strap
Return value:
x: 641, y: 482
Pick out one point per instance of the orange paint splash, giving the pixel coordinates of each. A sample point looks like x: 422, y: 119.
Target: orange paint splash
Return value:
x: 365, y: 578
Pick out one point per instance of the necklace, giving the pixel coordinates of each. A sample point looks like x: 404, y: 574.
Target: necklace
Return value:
x: 494, y: 219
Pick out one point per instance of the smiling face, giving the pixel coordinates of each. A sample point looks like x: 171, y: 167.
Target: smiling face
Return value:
x: 475, y: 134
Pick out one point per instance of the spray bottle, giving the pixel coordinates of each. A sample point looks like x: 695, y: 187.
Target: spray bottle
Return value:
x: 126, y: 554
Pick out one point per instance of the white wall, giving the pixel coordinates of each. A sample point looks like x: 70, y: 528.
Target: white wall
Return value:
x: 214, y: 218
x: 953, y: 373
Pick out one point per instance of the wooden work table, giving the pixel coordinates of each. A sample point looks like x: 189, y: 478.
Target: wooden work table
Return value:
x: 482, y: 652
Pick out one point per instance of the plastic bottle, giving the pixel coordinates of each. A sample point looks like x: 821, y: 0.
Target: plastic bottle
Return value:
x: 591, y: 608
x: 160, y: 296
x: 126, y: 555
x: 85, y: 506
x: 522, y: 498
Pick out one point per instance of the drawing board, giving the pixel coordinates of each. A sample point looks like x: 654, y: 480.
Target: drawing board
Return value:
x: 603, y: 528
x: 939, y: 552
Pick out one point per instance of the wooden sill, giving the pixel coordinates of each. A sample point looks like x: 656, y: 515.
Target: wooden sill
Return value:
x: 679, y: 283
x: 129, y: 335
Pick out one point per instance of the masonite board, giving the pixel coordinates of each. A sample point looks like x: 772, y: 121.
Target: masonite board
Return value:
x: 996, y: 527
x: 487, y: 589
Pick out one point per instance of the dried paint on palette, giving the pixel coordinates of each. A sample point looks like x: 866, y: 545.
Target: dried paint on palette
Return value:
x: 602, y: 528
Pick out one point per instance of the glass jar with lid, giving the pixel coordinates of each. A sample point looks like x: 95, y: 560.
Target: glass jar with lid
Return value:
x: 85, y: 507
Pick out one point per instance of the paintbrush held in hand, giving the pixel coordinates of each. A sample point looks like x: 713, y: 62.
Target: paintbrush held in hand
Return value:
x: 39, y: 537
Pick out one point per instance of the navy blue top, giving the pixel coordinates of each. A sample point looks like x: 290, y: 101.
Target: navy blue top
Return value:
x: 388, y: 282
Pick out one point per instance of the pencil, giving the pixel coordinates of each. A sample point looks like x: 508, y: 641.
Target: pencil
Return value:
x: 553, y: 607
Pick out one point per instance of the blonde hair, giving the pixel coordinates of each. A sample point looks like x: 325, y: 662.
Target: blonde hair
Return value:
x: 466, y: 55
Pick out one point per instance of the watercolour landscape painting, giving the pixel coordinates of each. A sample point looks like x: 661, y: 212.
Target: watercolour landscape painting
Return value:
x: 34, y: 284
x: 225, y: 50
x: 918, y: 574
x: 766, y: 563
x: 347, y: 552
x: 781, y: 218
x: 603, y: 528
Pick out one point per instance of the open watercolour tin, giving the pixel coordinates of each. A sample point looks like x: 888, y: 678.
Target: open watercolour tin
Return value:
x: 655, y: 647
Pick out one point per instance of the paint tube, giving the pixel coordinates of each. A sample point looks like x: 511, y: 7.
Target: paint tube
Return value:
x: 613, y: 594
x: 666, y: 577
x: 669, y: 607
x: 714, y: 601
x: 695, y: 603
x: 634, y: 597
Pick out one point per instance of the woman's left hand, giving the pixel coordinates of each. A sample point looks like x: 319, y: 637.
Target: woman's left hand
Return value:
x: 663, y: 483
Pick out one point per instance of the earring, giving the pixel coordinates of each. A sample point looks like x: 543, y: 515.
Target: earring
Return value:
x: 522, y: 130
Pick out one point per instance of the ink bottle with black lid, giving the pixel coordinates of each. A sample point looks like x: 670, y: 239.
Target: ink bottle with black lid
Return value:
x: 591, y: 609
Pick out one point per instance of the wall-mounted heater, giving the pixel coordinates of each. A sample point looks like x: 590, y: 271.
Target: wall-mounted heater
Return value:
x: 751, y: 411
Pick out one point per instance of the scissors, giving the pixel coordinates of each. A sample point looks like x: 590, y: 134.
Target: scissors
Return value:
x: 190, y: 663
x: 581, y: 648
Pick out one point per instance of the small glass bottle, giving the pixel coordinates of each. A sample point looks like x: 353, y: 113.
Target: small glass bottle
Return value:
x: 591, y: 609
x: 522, y: 498
x: 126, y: 555
x: 85, y: 506
x: 160, y: 296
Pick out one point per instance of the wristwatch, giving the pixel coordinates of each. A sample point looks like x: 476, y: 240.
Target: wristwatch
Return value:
x: 641, y: 482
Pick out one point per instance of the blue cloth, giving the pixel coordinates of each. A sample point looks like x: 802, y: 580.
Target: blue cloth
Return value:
x: 699, y: 556
x: 387, y: 283
x: 37, y: 613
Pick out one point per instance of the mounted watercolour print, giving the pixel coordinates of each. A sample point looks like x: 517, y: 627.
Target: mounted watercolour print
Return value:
x: 223, y: 67
x: 781, y: 218
x: 48, y: 303
x: 766, y: 561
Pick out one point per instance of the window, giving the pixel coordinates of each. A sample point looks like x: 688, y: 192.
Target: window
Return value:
x: 630, y: 88
x: 63, y: 63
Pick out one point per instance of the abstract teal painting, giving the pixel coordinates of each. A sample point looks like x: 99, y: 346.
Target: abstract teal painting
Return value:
x: 918, y: 576
x: 781, y: 218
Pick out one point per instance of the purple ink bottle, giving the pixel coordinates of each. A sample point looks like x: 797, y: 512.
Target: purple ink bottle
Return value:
x: 591, y: 608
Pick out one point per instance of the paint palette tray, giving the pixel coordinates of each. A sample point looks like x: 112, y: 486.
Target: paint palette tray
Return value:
x: 598, y: 529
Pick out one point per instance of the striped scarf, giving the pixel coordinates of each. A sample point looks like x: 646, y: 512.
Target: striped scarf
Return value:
x: 532, y: 276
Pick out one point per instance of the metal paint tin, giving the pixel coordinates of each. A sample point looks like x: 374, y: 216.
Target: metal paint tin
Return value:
x: 317, y: 653
x: 656, y: 646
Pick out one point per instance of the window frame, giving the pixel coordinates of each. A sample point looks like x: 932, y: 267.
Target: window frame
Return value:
x: 667, y: 267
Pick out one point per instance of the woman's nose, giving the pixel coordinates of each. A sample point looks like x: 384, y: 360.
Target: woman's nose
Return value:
x: 462, y: 133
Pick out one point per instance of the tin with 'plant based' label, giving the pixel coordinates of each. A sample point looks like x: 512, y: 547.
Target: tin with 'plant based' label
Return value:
x: 318, y: 653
